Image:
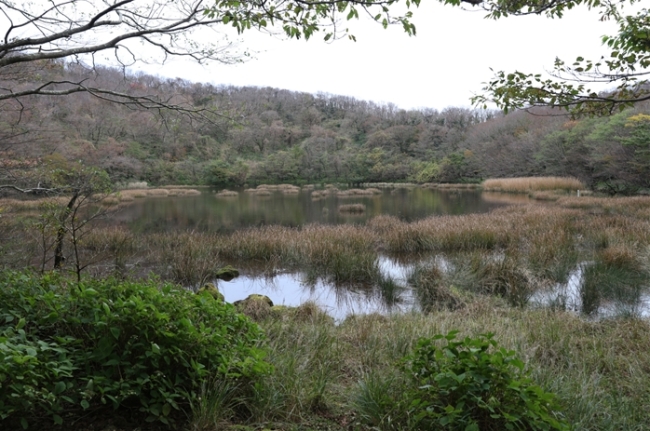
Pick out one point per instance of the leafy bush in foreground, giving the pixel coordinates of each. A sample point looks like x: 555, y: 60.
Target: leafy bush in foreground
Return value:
x: 68, y: 348
x: 472, y: 385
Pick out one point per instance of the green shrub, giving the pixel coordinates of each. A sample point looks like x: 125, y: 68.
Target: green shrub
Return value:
x: 68, y: 349
x: 474, y: 385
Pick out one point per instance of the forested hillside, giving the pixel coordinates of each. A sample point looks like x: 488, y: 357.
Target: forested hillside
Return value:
x: 274, y: 135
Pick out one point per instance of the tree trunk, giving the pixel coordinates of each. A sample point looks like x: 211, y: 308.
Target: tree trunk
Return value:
x: 59, y: 259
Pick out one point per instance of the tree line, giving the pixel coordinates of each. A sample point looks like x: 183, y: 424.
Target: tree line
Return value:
x: 251, y: 135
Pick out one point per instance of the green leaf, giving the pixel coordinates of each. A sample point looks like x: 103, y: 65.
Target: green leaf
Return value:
x: 59, y: 387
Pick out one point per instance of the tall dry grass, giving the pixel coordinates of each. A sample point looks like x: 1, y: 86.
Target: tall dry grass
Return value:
x: 598, y: 369
x: 528, y: 184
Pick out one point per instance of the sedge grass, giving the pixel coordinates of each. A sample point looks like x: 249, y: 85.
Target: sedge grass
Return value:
x: 598, y: 369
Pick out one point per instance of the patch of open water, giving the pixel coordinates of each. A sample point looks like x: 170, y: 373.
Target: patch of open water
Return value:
x: 289, y: 289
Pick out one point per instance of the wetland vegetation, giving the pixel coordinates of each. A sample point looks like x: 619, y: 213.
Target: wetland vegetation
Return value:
x: 561, y: 283
x: 561, y: 280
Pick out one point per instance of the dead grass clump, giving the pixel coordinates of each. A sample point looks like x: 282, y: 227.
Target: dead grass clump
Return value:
x: 528, y: 184
x: 290, y: 190
x: 451, y: 186
x: 110, y: 200
x: 308, y: 187
x: 12, y: 205
x: 383, y: 224
x: 340, y: 254
x: 352, y: 208
x: 432, y: 291
x: 504, y: 277
x: 157, y: 192
x: 227, y: 194
x: 620, y: 256
x: 263, y: 192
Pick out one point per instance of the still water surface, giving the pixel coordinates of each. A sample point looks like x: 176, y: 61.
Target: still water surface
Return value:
x: 210, y: 213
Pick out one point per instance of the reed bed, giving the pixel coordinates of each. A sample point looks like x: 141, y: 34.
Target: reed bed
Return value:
x: 157, y: 192
x: 226, y: 194
x: 184, y: 192
x: 277, y: 187
x: 352, y: 209
x: 293, y: 190
x: 358, y: 192
x: 390, y: 185
x: 451, y: 186
x: 528, y: 184
x: 11, y: 205
x: 132, y: 194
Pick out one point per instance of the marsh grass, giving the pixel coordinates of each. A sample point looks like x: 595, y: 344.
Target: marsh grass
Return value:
x: 530, y: 184
x: 433, y: 290
x: 598, y: 369
x: 451, y: 186
x: 187, y: 258
x: 617, y: 274
x: 217, y: 403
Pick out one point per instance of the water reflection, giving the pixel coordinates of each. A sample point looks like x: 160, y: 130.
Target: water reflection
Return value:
x: 209, y: 213
x: 290, y: 289
x: 392, y: 293
x: 600, y: 299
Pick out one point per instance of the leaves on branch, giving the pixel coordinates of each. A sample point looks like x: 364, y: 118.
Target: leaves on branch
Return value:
x: 625, y: 65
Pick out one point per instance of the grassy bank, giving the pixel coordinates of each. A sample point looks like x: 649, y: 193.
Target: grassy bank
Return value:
x: 342, y: 373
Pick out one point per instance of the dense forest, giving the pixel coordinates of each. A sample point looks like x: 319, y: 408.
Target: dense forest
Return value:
x: 252, y: 135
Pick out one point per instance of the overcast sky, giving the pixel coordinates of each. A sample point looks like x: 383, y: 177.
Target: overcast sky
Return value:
x: 444, y: 65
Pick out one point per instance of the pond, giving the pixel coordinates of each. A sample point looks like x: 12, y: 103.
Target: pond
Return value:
x: 208, y: 212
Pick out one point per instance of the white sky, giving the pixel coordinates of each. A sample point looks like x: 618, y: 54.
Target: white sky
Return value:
x: 444, y: 65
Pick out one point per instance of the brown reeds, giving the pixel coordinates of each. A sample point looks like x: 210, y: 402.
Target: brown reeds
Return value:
x: 451, y: 186
x: 529, y: 184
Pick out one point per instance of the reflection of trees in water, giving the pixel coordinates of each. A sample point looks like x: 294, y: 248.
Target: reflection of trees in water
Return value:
x: 209, y: 213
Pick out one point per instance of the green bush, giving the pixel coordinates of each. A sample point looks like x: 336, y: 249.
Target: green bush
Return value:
x: 68, y: 349
x: 474, y: 385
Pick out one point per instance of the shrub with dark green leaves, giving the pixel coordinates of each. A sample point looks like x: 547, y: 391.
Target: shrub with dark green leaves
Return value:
x: 68, y: 349
x: 473, y: 385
